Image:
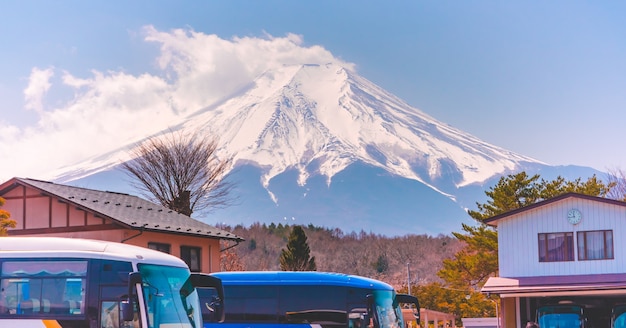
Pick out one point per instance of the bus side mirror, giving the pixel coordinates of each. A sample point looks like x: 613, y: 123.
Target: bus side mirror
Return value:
x: 370, y: 304
x: 127, y: 311
x: 126, y: 306
x: 211, y: 294
x: 409, y: 299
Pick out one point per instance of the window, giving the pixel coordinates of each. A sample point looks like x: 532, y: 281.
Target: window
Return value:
x: 33, y: 288
x: 248, y: 303
x: 191, y: 256
x: 595, y: 245
x: 165, y: 248
x: 556, y: 247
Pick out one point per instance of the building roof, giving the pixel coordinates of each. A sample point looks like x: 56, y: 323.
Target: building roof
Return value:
x: 131, y: 211
x: 493, y: 221
x: 569, y: 285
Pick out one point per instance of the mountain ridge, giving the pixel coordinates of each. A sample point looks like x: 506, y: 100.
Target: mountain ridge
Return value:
x: 297, y: 134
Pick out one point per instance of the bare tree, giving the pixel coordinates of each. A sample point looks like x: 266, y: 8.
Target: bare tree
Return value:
x: 616, y: 179
x: 181, y: 172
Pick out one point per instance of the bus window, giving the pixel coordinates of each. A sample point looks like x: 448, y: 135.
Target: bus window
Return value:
x: 388, y: 313
x: 170, y: 297
x: 211, y: 304
x: 321, y: 304
x: 251, y: 303
x: 42, y: 287
x: 111, y: 316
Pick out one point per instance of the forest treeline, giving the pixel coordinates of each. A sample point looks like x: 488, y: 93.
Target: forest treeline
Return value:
x: 389, y: 259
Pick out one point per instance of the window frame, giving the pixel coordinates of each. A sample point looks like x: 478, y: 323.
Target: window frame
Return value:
x: 185, y: 255
x: 608, y: 250
x: 161, y: 247
x: 570, y: 249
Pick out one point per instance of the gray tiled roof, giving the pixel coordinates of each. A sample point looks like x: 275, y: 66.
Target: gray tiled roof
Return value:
x: 129, y: 210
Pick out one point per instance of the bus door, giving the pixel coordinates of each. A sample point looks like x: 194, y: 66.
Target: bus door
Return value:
x: 113, y: 290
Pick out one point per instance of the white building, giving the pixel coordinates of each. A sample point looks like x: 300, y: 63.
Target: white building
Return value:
x: 569, y: 249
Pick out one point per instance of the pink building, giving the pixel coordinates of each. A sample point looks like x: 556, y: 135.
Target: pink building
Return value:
x: 50, y: 209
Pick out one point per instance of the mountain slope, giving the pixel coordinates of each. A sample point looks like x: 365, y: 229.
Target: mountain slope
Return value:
x: 320, y: 144
x: 320, y: 119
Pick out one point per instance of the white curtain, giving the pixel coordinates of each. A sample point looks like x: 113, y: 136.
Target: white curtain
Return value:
x: 596, y: 245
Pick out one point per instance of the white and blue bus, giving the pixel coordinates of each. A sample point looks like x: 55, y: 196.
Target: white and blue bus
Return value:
x: 70, y: 283
x: 314, y: 299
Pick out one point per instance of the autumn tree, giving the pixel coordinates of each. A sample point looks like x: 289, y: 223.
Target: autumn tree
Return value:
x: 297, y: 256
x: 229, y: 260
x: 473, y: 265
x: 5, y: 221
x: 462, y: 303
x: 181, y: 172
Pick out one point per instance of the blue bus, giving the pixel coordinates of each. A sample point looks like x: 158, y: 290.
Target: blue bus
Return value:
x: 311, y: 299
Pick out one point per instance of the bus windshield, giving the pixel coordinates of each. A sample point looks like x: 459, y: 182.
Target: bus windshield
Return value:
x: 388, y: 310
x: 560, y: 316
x: 170, y: 298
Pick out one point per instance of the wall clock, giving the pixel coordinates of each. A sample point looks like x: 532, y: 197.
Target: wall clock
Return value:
x: 574, y: 216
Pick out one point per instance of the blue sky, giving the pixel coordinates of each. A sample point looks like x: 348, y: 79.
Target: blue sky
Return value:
x: 546, y: 79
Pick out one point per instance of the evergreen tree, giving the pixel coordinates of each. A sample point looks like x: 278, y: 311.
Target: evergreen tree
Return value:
x: 382, y: 264
x: 297, y: 255
x: 5, y: 221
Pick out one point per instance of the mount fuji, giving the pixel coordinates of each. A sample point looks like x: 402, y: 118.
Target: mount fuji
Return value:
x: 319, y: 144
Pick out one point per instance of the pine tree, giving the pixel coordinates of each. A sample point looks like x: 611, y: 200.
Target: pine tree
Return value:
x: 297, y: 255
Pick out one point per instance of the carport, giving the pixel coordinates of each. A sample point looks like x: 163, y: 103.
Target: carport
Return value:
x: 520, y: 297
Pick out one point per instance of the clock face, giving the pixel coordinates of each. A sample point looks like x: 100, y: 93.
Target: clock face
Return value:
x: 574, y: 216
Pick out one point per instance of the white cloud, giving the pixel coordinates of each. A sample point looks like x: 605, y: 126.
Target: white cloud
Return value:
x: 38, y: 85
x: 113, y: 109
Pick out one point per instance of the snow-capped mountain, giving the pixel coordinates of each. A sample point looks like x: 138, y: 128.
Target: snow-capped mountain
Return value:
x: 319, y: 144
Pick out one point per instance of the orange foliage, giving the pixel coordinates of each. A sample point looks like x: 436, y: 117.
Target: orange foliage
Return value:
x: 229, y: 260
x: 5, y: 222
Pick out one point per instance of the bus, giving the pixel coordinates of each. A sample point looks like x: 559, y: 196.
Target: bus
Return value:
x: 71, y: 283
x: 314, y: 299
x: 562, y: 315
x: 618, y: 316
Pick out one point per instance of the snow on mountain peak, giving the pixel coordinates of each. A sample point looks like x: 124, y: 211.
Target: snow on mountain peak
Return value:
x: 319, y: 119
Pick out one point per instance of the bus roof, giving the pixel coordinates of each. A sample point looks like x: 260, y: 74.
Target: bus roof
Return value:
x: 299, y: 278
x: 56, y: 247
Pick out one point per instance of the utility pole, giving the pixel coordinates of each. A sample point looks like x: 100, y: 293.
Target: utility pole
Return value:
x: 408, y: 277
